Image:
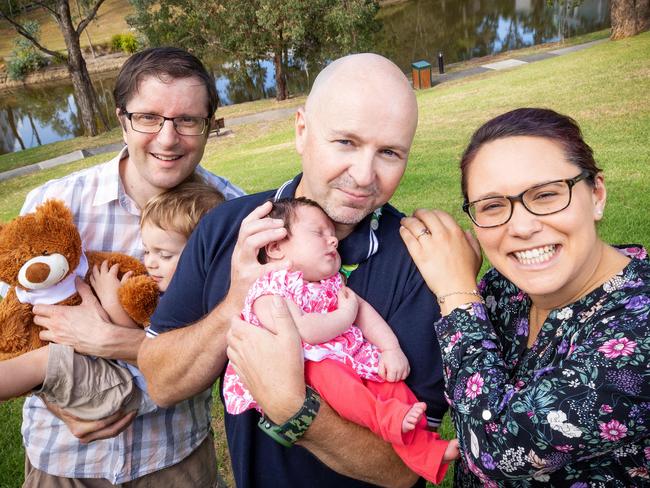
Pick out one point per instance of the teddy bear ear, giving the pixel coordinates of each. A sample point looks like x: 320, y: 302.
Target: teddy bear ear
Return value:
x: 54, y: 208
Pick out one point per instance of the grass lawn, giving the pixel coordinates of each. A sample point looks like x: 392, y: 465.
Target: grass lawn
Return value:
x: 604, y: 88
x: 38, y: 154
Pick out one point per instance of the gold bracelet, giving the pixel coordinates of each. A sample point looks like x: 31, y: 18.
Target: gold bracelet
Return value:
x: 475, y: 293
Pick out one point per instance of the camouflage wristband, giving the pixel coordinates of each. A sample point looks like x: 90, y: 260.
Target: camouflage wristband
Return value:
x: 293, y: 429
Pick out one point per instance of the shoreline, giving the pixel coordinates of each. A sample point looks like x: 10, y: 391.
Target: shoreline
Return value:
x: 109, y: 63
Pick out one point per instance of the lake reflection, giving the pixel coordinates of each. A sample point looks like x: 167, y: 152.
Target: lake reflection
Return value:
x: 41, y: 114
x: 420, y: 29
x: 412, y: 30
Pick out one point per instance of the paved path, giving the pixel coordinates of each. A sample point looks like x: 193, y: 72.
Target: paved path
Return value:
x: 513, y: 62
x: 283, y: 113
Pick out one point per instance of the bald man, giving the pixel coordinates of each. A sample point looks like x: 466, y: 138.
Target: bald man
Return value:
x: 353, y: 135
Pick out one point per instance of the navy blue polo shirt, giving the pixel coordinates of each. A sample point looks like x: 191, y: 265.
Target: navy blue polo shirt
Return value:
x: 386, y: 278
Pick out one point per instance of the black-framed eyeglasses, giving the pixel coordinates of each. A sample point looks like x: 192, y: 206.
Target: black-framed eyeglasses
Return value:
x: 543, y: 199
x: 153, y: 123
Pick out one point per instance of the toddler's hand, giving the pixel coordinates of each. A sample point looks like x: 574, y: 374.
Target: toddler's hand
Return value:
x: 348, y: 303
x: 105, y: 282
x: 393, y: 365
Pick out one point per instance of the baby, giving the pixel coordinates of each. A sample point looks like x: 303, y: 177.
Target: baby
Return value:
x: 358, y: 369
x: 93, y: 388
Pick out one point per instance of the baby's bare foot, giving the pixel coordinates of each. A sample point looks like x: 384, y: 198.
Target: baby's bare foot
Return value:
x: 413, y: 416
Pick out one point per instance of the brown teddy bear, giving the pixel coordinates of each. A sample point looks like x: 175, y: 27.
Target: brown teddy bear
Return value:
x: 40, y: 256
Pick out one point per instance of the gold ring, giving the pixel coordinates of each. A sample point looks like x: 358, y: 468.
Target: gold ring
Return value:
x: 423, y: 232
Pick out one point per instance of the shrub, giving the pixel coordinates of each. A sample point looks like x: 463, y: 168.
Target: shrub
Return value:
x: 116, y: 43
x: 25, y: 57
x: 124, y: 42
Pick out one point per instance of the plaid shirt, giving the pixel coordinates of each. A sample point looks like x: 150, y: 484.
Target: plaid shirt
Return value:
x: 108, y: 220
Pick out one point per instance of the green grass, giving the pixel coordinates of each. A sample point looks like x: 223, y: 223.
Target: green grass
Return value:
x: 605, y: 88
x: 42, y: 153
x: 247, y: 108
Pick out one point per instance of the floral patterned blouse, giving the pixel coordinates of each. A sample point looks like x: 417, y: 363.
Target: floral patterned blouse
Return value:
x: 571, y: 411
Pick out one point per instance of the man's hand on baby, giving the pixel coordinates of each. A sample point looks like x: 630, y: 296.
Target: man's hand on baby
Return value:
x: 393, y: 365
x: 255, y: 232
x: 348, y: 303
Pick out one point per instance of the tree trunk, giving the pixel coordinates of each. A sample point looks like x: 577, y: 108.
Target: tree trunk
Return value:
x: 84, y: 93
x: 629, y: 17
x: 34, y: 131
x: 14, y: 129
x: 280, y: 77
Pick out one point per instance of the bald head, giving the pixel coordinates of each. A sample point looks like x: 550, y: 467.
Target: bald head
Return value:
x: 354, y: 136
x: 364, y: 76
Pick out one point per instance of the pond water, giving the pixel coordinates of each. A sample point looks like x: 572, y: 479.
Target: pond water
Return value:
x: 411, y: 30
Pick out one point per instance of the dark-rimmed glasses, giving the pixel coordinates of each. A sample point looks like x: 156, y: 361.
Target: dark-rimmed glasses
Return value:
x: 153, y: 123
x: 543, y: 199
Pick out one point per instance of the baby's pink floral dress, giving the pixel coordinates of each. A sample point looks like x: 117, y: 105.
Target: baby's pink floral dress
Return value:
x: 349, y: 348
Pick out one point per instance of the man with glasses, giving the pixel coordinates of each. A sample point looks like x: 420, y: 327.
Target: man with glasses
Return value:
x: 165, y: 100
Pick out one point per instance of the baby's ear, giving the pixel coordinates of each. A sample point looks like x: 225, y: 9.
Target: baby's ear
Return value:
x: 275, y: 250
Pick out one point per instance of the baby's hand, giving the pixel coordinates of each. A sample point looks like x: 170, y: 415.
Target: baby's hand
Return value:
x: 348, y: 303
x: 452, y: 452
x: 393, y: 365
x: 105, y: 282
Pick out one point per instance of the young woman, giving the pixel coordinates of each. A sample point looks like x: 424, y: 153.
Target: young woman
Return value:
x: 546, y: 361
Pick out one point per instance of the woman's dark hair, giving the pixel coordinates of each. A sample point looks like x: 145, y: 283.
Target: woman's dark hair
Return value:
x: 535, y: 122
x: 164, y: 63
x: 285, y: 210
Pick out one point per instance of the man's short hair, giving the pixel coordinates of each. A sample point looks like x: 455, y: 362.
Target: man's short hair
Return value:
x: 164, y: 63
x: 181, y: 208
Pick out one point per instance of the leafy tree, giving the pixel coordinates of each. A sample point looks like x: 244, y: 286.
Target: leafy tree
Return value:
x: 60, y: 10
x: 25, y: 58
x: 245, y: 31
x: 629, y: 17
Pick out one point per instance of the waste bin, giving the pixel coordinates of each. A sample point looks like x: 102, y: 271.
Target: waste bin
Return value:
x: 421, y: 74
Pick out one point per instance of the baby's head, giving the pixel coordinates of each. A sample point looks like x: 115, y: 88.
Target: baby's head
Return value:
x: 311, y: 240
x: 166, y: 223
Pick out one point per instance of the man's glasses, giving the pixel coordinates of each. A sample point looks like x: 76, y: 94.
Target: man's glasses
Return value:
x: 545, y: 199
x: 153, y: 123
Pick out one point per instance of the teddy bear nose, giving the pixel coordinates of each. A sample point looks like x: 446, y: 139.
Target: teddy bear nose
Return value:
x: 41, y: 272
x: 37, y: 272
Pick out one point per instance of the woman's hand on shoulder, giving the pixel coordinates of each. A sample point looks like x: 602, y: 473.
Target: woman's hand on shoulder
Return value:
x: 448, y: 257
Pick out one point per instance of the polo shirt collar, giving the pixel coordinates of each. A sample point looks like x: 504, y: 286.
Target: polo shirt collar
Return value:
x: 362, y: 243
x: 110, y: 186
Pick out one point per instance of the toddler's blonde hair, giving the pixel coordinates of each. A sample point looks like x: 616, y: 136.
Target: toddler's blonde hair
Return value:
x: 181, y: 208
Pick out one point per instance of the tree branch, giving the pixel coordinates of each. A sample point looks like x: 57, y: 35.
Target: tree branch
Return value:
x: 23, y: 32
x: 47, y: 7
x: 91, y: 15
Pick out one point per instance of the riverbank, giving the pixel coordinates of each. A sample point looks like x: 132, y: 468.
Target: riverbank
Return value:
x: 259, y: 111
x: 44, y: 152
x: 108, y: 63
x: 112, y: 62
